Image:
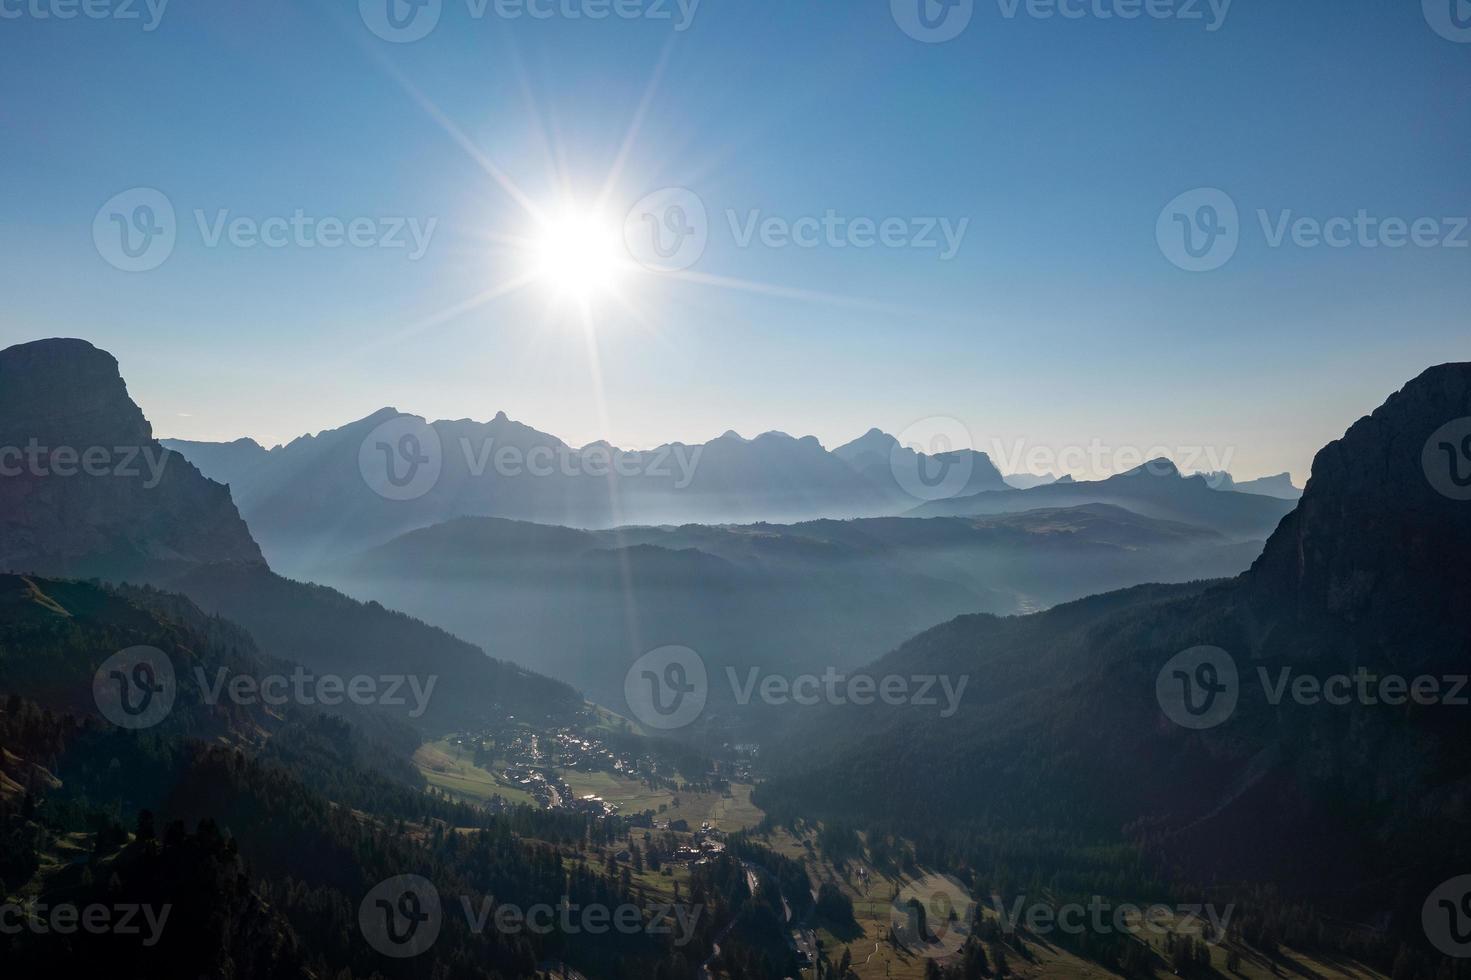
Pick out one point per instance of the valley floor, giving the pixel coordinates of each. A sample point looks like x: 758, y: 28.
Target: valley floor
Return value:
x: 449, y: 768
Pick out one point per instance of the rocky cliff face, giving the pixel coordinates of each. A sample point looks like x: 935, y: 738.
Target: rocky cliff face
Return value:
x: 85, y: 489
x: 1381, y: 537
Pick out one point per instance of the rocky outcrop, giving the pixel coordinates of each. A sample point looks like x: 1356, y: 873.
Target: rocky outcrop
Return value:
x: 85, y: 489
x: 1381, y: 536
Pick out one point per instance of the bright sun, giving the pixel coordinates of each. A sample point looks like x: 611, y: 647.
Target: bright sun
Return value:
x: 579, y: 256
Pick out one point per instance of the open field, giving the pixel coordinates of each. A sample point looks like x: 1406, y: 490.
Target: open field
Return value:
x: 633, y: 796
x: 450, y: 769
x: 630, y: 795
x: 462, y: 779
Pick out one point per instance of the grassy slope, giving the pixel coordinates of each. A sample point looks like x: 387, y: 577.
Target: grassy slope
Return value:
x: 875, y: 959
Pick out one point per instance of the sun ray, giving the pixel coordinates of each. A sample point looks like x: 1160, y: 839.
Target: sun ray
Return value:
x: 458, y: 136
x: 615, y: 503
x: 787, y: 292
x: 450, y: 312
x: 635, y: 126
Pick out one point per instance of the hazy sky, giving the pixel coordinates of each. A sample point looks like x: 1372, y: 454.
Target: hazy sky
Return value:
x: 1059, y: 319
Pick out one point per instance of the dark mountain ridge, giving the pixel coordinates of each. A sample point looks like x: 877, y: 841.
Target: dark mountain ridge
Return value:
x: 1358, y: 808
x: 135, y: 509
x: 181, y: 532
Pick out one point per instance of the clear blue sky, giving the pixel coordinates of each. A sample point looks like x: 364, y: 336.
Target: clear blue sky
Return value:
x: 1059, y: 321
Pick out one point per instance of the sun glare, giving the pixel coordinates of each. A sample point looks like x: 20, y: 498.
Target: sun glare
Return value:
x: 579, y: 256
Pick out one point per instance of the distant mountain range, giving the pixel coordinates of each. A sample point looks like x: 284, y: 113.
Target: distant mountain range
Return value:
x: 1358, y: 806
x: 1155, y: 489
x: 1026, y: 481
x: 321, y: 497
x: 1277, y: 485
x: 312, y: 500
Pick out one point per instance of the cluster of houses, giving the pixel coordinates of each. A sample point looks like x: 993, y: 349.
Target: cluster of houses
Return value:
x: 543, y: 785
x: 704, y: 844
